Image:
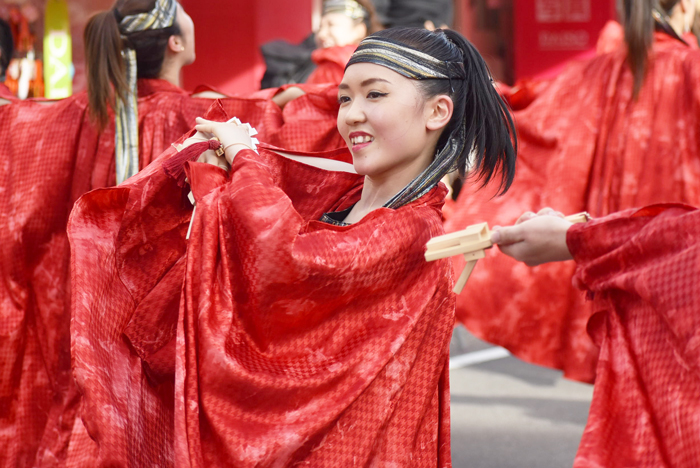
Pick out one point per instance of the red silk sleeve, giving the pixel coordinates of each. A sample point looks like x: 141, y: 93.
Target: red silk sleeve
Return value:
x: 643, y: 270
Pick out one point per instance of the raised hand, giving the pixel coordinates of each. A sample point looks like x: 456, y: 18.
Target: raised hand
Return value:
x: 233, y: 137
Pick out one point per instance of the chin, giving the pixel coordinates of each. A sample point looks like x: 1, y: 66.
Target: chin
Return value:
x: 361, y: 169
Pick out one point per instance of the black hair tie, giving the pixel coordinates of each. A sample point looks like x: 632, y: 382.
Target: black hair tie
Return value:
x: 117, y: 15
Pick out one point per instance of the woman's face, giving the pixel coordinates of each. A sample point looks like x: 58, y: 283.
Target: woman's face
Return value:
x: 383, y: 119
x: 186, y: 25
x: 340, y: 30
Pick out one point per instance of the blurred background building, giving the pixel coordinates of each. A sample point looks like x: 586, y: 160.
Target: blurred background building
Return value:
x: 519, y: 38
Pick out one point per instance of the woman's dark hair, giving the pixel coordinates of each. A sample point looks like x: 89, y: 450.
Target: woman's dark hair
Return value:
x: 637, y: 17
x: 6, y: 46
x: 106, y: 70
x: 489, y: 131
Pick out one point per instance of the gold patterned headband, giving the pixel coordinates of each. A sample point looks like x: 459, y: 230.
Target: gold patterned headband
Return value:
x: 347, y: 7
x: 406, y: 61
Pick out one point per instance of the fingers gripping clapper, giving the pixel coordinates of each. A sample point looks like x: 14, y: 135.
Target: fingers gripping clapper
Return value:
x: 472, y: 243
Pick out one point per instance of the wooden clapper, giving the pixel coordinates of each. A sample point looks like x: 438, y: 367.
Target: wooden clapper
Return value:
x: 472, y: 243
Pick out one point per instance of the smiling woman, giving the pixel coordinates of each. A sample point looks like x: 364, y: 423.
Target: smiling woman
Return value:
x: 300, y: 323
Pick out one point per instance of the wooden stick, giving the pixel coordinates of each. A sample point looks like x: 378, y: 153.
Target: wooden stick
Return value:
x: 464, y: 277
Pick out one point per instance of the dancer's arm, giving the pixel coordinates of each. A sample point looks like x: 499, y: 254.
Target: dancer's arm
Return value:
x: 235, y: 138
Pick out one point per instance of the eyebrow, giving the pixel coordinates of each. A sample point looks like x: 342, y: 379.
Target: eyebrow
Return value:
x: 367, y: 82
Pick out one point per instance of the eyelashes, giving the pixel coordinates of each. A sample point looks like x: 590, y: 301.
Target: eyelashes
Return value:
x: 370, y: 95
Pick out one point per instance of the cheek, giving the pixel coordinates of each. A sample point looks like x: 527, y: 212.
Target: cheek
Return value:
x: 342, y: 126
x: 394, y: 126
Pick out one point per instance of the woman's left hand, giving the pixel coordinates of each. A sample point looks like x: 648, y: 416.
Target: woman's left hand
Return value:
x: 233, y: 137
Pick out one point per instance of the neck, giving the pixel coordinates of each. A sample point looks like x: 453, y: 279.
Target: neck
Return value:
x: 170, y: 72
x: 677, y: 21
x: 377, y: 191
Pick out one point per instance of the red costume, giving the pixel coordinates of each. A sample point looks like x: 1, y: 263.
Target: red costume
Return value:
x: 330, y: 63
x: 586, y: 144
x: 51, y: 155
x: 642, y: 268
x: 289, y: 341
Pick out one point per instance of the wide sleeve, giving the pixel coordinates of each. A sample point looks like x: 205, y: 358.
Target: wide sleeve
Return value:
x: 280, y: 244
x: 642, y: 269
x: 316, y: 344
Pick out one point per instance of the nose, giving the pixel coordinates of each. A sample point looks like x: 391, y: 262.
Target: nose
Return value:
x: 322, y: 35
x: 354, y: 113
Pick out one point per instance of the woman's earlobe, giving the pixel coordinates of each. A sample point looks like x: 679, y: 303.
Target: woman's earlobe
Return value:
x: 175, y: 44
x: 441, y: 112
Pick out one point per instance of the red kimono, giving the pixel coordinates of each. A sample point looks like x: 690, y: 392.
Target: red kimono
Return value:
x: 330, y: 63
x: 288, y: 341
x: 642, y: 268
x: 585, y: 145
x: 51, y: 155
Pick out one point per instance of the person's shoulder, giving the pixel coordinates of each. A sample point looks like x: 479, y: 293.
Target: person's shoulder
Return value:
x: 426, y: 212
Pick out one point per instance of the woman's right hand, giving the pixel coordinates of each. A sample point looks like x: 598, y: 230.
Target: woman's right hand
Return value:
x: 535, y: 238
x: 209, y: 156
x: 233, y: 137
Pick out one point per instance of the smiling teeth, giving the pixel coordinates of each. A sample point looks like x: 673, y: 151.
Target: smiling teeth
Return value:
x: 361, y: 139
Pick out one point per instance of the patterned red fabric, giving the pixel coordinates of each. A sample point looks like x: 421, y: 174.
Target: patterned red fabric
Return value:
x: 643, y: 269
x: 330, y: 64
x: 51, y: 155
x: 299, y: 343
x: 585, y: 145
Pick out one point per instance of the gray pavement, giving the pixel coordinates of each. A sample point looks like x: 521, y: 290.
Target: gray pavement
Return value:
x: 510, y: 414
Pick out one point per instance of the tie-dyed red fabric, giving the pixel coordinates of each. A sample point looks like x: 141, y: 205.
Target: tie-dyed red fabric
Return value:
x: 269, y: 338
x: 51, y: 155
x: 585, y: 145
x: 643, y: 269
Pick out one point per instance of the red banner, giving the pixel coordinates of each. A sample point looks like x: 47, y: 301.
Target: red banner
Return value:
x: 550, y: 32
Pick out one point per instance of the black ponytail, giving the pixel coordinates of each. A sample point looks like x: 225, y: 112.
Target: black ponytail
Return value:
x: 489, y: 128
x: 481, y: 120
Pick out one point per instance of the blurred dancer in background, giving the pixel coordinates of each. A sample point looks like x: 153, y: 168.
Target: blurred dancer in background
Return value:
x: 321, y: 58
x: 343, y: 25
x: 52, y: 153
x: 610, y: 133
